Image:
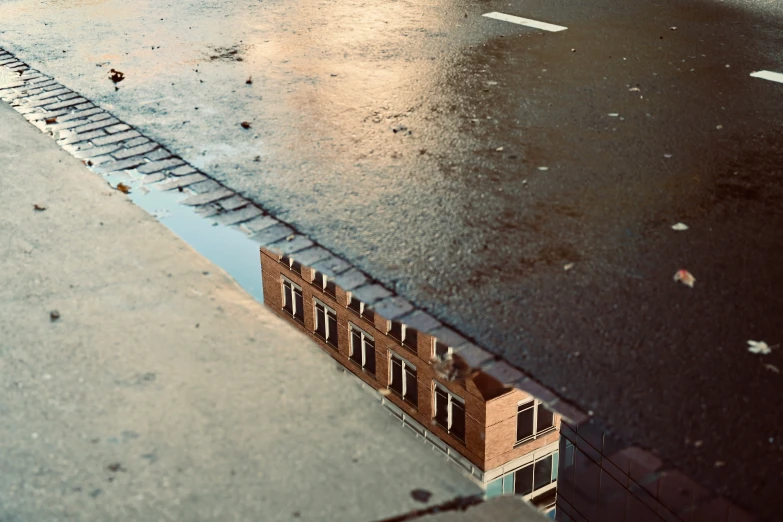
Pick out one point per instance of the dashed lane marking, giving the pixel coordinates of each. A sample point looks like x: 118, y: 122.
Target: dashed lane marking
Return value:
x: 535, y: 24
x: 768, y: 75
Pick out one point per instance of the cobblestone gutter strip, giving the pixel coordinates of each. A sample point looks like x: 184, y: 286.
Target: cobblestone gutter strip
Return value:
x: 107, y: 145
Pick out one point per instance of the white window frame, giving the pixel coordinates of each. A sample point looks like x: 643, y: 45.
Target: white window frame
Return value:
x: 364, y: 335
x: 449, y: 349
x: 294, y: 286
x: 405, y: 364
x: 290, y: 263
x: 403, y: 334
x: 536, y: 434
x: 362, y: 306
x: 322, y: 286
x: 327, y: 308
x: 451, y: 397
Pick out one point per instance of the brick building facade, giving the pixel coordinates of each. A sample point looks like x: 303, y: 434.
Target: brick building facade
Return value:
x: 504, y: 437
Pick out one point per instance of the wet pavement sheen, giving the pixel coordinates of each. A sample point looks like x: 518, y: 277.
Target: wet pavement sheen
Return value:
x: 465, y: 162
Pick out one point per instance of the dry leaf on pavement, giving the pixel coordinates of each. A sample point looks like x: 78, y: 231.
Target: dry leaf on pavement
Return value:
x: 759, y: 347
x: 685, y: 277
x: 680, y: 226
x: 122, y: 187
x: 39, y: 208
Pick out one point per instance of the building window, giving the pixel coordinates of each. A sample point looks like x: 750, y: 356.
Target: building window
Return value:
x: 292, y: 299
x: 325, y: 322
x: 536, y: 475
x: 406, y: 336
x: 440, y: 350
x: 450, y: 412
x: 325, y: 284
x: 294, y: 266
x: 362, y: 349
x: 402, y: 379
x: 360, y: 308
x: 533, y: 420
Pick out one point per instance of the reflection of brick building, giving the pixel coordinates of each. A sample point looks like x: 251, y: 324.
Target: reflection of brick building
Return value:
x: 504, y: 437
x: 601, y: 479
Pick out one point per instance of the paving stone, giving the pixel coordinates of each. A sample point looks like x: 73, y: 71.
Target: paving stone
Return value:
x: 153, y: 178
x: 421, y: 321
x: 238, y: 216
x: 82, y: 145
x: 56, y: 127
x: 118, y: 128
x: 474, y: 355
x: 183, y: 170
x: 209, y: 197
x: 312, y: 255
x: 272, y: 234
x: 51, y: 86
x: 115, y: 138
x: 11, y: 85
x: 369, y: 294
x: 68, y: 96
x: 183, y: 181
x: 505, y: 373
x: 141, y: 140
x: 208, y: 210
x: 97, y: 151
x: 234, y: 203
x: 155, y: 166
x: 205, y: 186
x: 119, y: 165
x: 392, y: 307
x: 449, y: 337
x: 350, y: 279
x: 77, y: 115
x: 81, y: 137
x: 158, y: 154
x: 537, y: 390
x: 258, y: 224
x: 100, y: 117
x: 134, y: 151
x: 26, y: 94
x: 93, y: 126
x: 291, y: 246
x: 83, y: 106
x: 62, y: 105
x: 43, y: 81
x: 48, y: 94
x: 332, y: 265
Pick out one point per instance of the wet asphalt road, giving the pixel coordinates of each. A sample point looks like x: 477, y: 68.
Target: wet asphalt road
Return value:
x: 477, y: 234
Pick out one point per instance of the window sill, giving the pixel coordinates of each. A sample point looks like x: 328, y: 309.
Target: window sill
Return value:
x: 535, y: 437
x: 357, y: 314
x: 407, y: 402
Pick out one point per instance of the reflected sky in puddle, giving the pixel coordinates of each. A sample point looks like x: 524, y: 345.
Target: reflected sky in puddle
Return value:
x: 228, y: 248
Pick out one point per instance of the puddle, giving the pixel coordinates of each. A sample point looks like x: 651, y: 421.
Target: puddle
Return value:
x: 228, y: 248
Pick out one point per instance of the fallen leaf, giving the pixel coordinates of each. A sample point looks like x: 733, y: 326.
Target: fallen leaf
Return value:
x: 613, y: 114
x: 54, y: 315
x: 634, y: 89
x: 39, y: 208
x: 122, y: 187
x: 719, y: 463
x: 680, y: 226
x: 672, y: 28
x: 421, y: 495
x: 758, y: 347
x: 49, y: 121
x: 499, y: 149
x: 249, y: 81
x: 697, y: 443
x: 543, y: 168
x: 667, y: 155
x: 772, y: 368
x: 685, y: 277
x: 245, y: 124
x: 719, y: 127
x: 568, y: 266
x: 116, y: 76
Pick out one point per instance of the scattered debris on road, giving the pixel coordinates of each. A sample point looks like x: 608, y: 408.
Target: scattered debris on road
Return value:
x: 249, y: 81
x: 421, y: 495
x: 759, y: 347
x: 568, y: 266
x: 49, y: 121
x: 116, y: 76
x: 54, y: 315
x: 122, y: 187
x: 245, y: 124
x: 685, y: 277
x: 680, y: 226
x: 39, y: 208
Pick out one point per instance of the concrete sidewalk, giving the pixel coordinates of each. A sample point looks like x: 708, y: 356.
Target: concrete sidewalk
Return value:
x: 163, y: 391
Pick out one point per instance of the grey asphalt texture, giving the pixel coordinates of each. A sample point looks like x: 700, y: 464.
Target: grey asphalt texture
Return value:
x: 377, y: 130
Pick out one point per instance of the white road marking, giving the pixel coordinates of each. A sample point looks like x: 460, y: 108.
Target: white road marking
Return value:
x: 768, y: 75
x: 535, y: 24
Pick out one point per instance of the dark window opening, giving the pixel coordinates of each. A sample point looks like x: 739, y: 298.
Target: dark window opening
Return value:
x: 410, y: 338
x: 402, y: 380
x: 441, y: 349
x: 546, y: 419
x: 525, y: 421
x: 395, y: 330
x: 450, y: 413
x: 296, y: 266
